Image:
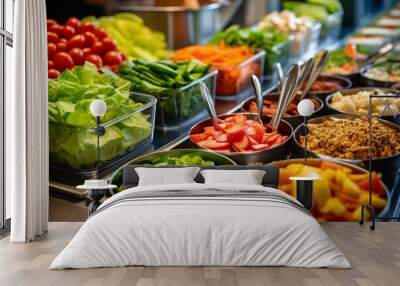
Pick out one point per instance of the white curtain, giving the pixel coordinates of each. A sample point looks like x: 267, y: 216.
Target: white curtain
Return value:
x: 26, y: 124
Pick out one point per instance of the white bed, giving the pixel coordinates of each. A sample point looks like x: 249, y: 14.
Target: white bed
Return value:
x: 203, y: 225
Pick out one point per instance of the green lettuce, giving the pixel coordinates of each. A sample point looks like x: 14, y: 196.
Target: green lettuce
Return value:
x: 72, y: 127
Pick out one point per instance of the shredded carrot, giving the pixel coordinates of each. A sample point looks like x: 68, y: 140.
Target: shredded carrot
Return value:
x: 226, y: 59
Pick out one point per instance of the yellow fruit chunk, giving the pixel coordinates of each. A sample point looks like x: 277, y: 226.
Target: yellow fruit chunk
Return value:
x: 294, y: 169
x: 356, y: 216
x: 358, y: 177
x: 328, y: 175
x: 351, y: 188
x: 322, y: 193
x: 377, y: 202
x: 333, y: 206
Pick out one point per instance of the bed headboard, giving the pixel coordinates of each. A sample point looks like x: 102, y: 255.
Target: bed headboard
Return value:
x: 270, y: 179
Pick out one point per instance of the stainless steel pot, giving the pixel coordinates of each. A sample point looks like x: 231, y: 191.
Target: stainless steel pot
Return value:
x: 251, y: 158
x: 350, y: 91
x: 295, y: 120
x: 387, y: 166
x: 182, y: 26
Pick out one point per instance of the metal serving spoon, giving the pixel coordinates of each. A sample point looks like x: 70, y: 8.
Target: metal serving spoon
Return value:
x: 289, y: 86
x: 279, y: 72
x: 209, y: 105
x: 259, y: 98
x: 319, y: 63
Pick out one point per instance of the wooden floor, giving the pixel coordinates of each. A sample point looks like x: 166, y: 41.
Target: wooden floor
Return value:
x: 375, y: 257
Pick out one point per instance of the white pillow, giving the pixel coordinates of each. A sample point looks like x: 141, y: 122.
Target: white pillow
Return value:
x: 166, y: 176
x: 247, y: 177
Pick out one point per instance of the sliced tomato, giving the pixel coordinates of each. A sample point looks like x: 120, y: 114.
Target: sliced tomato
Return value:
x: 252, y: 140
x: 222, y: 138
x: 258, y: 133
x: 242, y: 145
x: 271, y: 138
x: 198, y: 137
x: 230, y: 119
x: 258, y: 147
x: 240, y: 119
x: 214, y: 145
x: 225, y: 125
x: 235, y: 133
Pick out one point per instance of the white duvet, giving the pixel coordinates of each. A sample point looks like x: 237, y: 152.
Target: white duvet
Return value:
x: 203, y: 231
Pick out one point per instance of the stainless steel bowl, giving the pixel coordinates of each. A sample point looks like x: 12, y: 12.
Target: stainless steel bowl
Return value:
x: 350, y: 91
x: 368, y: 81
x: 294, y: 120
x: 355, y: 169
x: 345, y: 82
x: 251, y: 158
x: 387, y: 166
x: 182, y: 26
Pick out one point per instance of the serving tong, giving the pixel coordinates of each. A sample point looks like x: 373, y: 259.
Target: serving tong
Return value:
x: 318, y: 65
x: 380, y: 52
x: 289, y: 88
x: 259, y: 98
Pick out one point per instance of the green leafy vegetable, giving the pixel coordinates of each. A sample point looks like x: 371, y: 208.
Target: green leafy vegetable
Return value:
x: 166, y: 81
x: 132, y: 36
x: 71, y: 125
x: 274, y: 43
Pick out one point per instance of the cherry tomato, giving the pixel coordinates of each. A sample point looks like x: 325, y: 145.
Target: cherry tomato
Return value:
x: 112, y: 58
x: 90, y: 39
x: 124, y: 57
x: 77, y: 41
x: 56, y: 28
x: 109, y: 44
x: 52, y: 37
x: 94, y: 59
x: 61, y: 46
x: 68, y: 32
x: 73, y: 22
x: 53, y: 73
x: 87, y: 51
x: 87, y: 27
x: 77, y: 56
x: 98, y: 48
x: 51, y: 22
x: 51, y: 50
x: 50, y: 65
x: 100, y: 33
x: 63, y: 61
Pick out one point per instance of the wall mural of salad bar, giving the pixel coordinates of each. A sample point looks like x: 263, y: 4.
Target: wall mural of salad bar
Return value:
x: 156, y: 113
